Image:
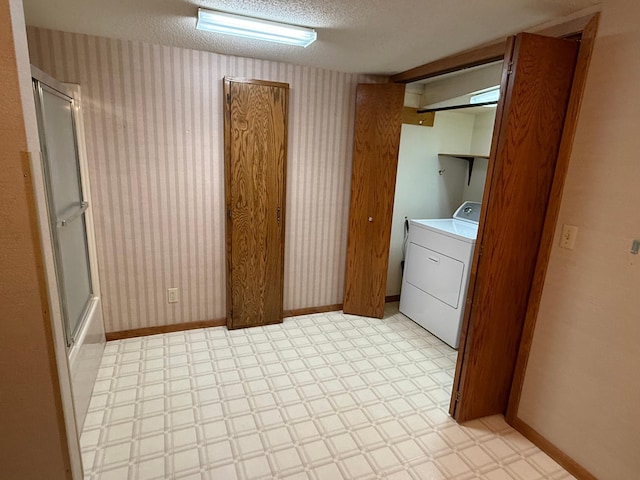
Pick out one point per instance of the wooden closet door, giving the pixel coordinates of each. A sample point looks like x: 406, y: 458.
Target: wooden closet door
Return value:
x: 535, y: 92
x: 255, y: 172
x: 378, y: 121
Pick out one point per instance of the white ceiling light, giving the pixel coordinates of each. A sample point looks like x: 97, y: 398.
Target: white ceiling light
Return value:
x: 247, y: 27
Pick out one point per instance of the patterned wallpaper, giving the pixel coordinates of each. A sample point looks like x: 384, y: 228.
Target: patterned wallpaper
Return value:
x: 154, y: 128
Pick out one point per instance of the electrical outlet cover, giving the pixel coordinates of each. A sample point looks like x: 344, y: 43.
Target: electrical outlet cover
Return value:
x: 172, y: 295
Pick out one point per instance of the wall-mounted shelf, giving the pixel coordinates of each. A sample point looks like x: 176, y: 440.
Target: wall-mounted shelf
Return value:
x: 465, y: 156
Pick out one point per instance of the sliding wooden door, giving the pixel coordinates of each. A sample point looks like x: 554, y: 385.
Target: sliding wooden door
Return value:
x: 535, y: 90
x: 255, y: 129
x: 373, y: 181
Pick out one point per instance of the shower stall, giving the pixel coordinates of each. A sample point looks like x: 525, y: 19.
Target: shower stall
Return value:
x: 71, y: 228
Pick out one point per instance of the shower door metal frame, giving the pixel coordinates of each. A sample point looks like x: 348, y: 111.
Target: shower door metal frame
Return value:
x: 42, y: 82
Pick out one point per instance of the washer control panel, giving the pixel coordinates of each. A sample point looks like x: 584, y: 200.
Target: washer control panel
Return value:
x: 468, y: 212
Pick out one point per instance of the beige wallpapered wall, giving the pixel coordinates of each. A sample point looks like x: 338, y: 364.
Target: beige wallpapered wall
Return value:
x: 154, y: 128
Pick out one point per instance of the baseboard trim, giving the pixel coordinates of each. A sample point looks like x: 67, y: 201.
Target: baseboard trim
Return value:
x: 568, y: 463
x: 176, y: 327
x: 311, y: 310
x: 328, y: 308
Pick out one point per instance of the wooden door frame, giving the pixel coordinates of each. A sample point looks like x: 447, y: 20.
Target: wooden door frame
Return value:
x: 488, y: 53
x: 583, y: 29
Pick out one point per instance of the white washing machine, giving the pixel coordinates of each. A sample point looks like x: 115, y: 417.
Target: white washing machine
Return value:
x: 436, y: 272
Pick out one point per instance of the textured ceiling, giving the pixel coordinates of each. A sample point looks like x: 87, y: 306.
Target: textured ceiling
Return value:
x: 366, y: 36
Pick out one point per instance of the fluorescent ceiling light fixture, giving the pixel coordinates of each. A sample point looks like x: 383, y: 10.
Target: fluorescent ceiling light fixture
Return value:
x: 247, y: 27
x: 490, y: 95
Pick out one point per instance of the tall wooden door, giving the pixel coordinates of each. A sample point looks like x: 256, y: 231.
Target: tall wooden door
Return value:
x: 255, y: 129
x: 378, y: 121
x: 536, y: 86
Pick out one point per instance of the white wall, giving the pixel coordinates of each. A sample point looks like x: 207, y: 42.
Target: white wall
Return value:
x: 420, y: 191
x: 446, y: 87
x: 413, y: 95
x: 582, y: 384
x: 483, y: 132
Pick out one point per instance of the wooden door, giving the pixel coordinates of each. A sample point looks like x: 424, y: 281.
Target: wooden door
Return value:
x: 378, y: 121
x: 535, y: 91
x: 255, y: 128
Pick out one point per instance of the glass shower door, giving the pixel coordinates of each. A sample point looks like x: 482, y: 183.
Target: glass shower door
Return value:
x: 66, y: 204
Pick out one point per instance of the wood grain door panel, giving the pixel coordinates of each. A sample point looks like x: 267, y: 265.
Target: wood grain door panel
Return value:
x: 378, y: 121
x: 255, y: 168
x: 527, y: 136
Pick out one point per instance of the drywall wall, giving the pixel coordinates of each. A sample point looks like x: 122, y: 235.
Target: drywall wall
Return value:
x: 483, y: 132
x: 421, y: 192
x: 445, y: 87
x: 474, y: 189
x: 154, y: 130
x: 581, y: 387
x: 480, y: 145
x: 34, y: 442
x: 413, y: 95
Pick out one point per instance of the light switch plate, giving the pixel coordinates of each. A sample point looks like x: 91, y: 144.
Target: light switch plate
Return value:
x: 568, y: 236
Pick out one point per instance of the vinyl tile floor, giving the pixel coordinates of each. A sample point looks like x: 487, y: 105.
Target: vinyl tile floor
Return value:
x: 324, y: 397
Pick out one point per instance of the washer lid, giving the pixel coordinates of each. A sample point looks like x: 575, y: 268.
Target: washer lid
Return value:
x: 465, y: 231
x: 468, y: 212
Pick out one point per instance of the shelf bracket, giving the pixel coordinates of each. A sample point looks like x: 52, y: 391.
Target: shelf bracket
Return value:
x: 469, y: 160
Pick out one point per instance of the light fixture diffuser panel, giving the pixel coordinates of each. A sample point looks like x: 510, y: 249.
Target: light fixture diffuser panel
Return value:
x: 254, y: 28
x: 490, y: 95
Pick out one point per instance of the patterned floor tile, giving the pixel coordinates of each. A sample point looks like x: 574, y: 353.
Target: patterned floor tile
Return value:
x: 325, y: 396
